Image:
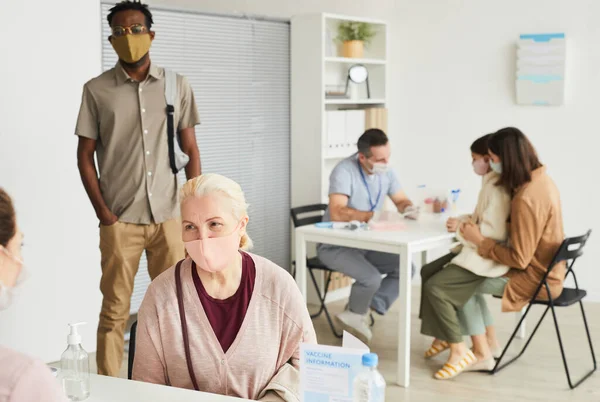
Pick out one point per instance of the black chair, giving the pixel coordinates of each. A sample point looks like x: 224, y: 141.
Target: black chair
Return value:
x: 131, y: 354
x: 312, y: 214
x: 570, y: 250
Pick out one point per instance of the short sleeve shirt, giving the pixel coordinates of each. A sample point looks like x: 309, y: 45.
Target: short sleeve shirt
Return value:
x: 128, y: 121
x: 366, y: 192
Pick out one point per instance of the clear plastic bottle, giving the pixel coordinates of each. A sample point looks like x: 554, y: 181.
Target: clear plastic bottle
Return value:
x: 421, y: 196
x: 454, y: 201
x: 369, y: 385
x: 75, y: 368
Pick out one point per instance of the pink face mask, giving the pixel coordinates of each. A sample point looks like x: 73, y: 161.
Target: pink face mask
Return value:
x: 481, y: 167
x: 214, y: 254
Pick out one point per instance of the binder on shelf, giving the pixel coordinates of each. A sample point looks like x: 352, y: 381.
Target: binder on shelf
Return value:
x: 355, y: 126
x: 336, y: 281
x: 332, y: 282
x: 336, y: 129
x: 376, y: 118
x: 339, y: 281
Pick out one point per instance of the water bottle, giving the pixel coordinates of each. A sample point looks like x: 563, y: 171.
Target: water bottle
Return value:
x: 454, y: 201
x: 75, y: 367
x: 369, y: 385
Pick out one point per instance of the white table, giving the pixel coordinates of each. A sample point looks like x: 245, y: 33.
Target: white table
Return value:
x: 110, y: 389
x: 419, y: 236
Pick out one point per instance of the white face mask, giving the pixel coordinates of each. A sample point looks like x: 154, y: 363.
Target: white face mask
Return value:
x: 7, y: 293
x: 6, y: 296
x: 380, y: 168
x: 496, y: 167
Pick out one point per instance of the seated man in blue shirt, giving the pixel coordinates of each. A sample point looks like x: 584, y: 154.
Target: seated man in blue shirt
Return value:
x: 357, y: 189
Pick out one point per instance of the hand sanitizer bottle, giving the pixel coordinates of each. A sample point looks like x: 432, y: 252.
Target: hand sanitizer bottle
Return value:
x: 75, y: 367
x: 369, y: 385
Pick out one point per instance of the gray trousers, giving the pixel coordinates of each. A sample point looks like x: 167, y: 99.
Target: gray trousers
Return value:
x: 366, y: 268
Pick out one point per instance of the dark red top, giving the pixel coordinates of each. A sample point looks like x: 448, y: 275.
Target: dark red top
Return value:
x: 226, y: 316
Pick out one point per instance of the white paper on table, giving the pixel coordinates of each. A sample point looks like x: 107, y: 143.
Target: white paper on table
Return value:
x: 388, y: 216
x: 349, y: 341
x: 327, y: 372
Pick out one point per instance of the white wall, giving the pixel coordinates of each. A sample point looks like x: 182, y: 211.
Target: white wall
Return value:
x: 284, y: 9
x: 452, y: 80
x: 455, y: 64
x: 46, y: 59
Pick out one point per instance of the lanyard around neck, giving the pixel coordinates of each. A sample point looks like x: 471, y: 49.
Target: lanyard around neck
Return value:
x: 362, y: 174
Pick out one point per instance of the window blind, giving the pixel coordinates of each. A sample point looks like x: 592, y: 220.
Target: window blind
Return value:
x: 239, y: 70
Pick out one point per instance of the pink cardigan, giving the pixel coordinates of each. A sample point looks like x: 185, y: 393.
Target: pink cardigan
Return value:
x: 24, y: 379
x: 263, y: 361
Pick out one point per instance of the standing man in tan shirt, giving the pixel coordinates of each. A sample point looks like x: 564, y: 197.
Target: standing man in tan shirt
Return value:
x: 123, y: 120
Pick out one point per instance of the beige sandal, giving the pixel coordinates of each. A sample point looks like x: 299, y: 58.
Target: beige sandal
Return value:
x: 482, y: 365
x: 450, y: 370
x: 436, y: 349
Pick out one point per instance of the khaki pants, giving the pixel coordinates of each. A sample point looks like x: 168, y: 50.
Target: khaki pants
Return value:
x: 121, y: 247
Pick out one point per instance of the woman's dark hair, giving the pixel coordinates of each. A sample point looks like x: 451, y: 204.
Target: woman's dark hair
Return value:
x: 8, y: 223
x: 480, y: 146
x: 373, y: 137
x: 518, y: 156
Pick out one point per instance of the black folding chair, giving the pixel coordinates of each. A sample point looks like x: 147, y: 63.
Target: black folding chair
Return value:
x: 131, y: 354
x: 570, y: 250
x: 312, y: 214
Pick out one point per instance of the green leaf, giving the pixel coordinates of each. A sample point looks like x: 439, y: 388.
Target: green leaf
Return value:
x: 350, y: 30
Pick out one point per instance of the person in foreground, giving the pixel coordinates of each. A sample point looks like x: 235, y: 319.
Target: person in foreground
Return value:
x: 22, y: 378
x: 358, y: 186
x: 491, y: 213
x: 123, y: 124
x: 222, y: 321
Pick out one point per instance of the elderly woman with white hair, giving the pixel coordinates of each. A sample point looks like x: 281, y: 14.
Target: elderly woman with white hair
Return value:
x: 223, y: 320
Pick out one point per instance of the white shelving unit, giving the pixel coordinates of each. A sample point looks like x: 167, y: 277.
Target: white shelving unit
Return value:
x: 355, y: 102
x: 317, y: 64
x: 348, y: 60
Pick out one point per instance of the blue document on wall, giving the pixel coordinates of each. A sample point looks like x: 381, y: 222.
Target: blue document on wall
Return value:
x: 327, y: 372
x: 541, y: 66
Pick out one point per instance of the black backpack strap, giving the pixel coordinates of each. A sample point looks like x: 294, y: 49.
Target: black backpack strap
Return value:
x: 171, y: 137
x: 171, y: 98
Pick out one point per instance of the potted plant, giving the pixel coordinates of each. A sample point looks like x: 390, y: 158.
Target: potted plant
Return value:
x: 354, y: 36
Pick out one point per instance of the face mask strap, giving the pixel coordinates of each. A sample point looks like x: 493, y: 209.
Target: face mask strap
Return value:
x: 4, y: 250
x: 238, y: 226
x: 10, y: 255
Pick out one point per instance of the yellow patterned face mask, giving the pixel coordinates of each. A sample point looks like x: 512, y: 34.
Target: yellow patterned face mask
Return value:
x: 131, y: 48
